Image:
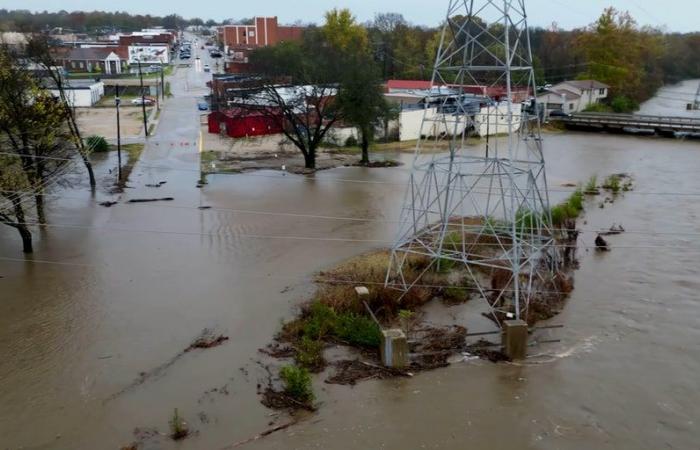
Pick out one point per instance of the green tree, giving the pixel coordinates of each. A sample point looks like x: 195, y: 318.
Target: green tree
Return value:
x: 34, y: 137
x: 361, y: 99
x: 622, y: 55
x: 342, y: 32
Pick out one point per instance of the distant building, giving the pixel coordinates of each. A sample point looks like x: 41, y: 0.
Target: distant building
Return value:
x: 419, y: 100
x: 82, y: 93
x: 13, y: 38
x: 573, y: 96
x: 240, y: 40
x: 105, y: 60
x: 497, y: 93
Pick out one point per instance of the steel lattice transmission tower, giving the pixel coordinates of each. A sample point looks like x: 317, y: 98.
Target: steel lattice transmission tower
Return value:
x: 482, y: 208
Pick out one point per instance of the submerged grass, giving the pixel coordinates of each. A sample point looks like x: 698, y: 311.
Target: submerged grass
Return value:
x: 613, y: 184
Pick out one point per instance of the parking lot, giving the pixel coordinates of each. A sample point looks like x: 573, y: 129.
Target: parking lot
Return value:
x: 103, y: 121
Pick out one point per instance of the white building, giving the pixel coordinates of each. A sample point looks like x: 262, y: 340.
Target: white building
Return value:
x: 573, y: 96
x: 484, y: 117
x: 82, y: 93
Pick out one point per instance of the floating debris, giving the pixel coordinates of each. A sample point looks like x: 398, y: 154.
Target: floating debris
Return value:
x: 148, y: 200
x: 601, y: 244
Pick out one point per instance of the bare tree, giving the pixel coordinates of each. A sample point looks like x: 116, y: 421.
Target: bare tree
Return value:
x: 304, y: 114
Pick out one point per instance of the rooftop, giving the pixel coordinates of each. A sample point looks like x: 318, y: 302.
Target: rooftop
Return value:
x: 585, y: 84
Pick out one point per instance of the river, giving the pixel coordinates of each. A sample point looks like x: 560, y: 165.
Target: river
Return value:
x: 122, y: 290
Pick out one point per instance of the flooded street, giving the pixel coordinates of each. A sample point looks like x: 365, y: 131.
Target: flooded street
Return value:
x: 119, y: 291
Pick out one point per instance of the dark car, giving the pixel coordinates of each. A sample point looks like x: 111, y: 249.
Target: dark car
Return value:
x: 559, y: 113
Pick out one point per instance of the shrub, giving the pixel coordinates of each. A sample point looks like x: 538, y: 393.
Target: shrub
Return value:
x: 97, y: 144
x: 622, y: 104
x: 309, y: 354
x: 320, y: 321
x: 351, y: 141
x: 598, y: 107
x: 297, y: 383
x: 358, y: 330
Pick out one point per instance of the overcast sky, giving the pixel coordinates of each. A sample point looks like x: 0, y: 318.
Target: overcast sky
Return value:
x: 673, y: 15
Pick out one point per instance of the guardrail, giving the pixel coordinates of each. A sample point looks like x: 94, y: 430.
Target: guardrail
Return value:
x: 657, y: 123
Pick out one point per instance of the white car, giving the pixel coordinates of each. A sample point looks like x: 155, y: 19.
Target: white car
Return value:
x: 146, y: 101
x: 207, y: 68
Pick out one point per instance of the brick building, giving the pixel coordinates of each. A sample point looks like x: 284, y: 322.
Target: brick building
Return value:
x: 264, y: 31
x: 240, y: 40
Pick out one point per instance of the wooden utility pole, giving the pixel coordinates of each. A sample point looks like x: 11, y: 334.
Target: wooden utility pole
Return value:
x: 143, y: 102
x: 117, y: 101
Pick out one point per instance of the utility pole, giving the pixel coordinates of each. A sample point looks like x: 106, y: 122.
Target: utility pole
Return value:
x: 162, y: 82
x: 143, y: 102
x: 117, y: 101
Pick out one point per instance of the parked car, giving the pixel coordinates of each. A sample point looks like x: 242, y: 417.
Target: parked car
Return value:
x: 202, y: 106
x: 207, y: 68
x: 558, y: 113
x: 146, y: 101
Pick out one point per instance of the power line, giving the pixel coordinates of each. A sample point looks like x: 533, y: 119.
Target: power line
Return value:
x: 314, y: 238
x: 344, y: 218
x: 285, y: 177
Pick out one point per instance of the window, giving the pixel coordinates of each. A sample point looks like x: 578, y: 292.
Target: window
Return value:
x: 81, y: 65
x: 73, y: 64
x: 601, y: 92
x: 571, y: 106
x: 251, y: 33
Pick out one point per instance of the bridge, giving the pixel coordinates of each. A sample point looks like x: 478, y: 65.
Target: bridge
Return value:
x: 662, y: 125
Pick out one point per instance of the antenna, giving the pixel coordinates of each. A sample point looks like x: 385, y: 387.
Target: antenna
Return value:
x: 480, y: 207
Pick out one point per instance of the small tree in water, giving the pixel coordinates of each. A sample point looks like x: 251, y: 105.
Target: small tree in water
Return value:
x: 178, y: 427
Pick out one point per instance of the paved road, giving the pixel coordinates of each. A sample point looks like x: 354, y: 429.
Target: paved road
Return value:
x: 171, y: 153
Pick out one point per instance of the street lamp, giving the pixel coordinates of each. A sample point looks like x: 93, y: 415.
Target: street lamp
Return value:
x: 117, y: 101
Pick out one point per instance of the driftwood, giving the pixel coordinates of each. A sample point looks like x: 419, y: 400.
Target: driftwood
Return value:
x: 259, y: 436
x: 148, y: 200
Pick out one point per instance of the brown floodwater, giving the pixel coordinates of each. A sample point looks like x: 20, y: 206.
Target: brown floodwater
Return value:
x: 124, y: 289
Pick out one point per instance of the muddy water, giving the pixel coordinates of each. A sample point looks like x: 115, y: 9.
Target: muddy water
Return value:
x: 134, y: 284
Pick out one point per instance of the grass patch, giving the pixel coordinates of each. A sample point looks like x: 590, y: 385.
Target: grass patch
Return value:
x: 613, y: 184
x: 133, y: 152
x: 297, y: 383
x: 591, y: 187
x: 569, y: 209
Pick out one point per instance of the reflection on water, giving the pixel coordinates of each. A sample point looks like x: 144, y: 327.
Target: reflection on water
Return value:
x: 623, y: 376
